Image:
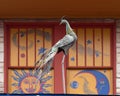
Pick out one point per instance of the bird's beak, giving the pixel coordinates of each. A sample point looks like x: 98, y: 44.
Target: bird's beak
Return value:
x: 61, y: 20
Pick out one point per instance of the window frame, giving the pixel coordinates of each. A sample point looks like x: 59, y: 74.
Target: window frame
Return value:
x: 53, y: 24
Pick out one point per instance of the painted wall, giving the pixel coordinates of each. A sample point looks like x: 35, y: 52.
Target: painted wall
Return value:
x: 117, y: 59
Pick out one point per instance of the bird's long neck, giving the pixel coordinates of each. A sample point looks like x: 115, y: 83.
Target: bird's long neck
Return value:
x: 68, y: 28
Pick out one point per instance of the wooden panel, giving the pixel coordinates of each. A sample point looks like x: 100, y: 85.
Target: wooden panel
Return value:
x: 118, y: 29
x: 31, y: 47
x: 118, y: 50
x: 1, y: 77
x: 39, y: 43
x: 98, y: 47
x: 118, y: 70
x: 1, y: 32
x: 1, y: 70
x: 1, y: 57
x: 24, y: 81
x: 22, y: 47
x: 1, y: 87
x: 1, y: 64
x: 118, y: 58
x: 81, y: 47
x: 1, y: 47
x: 106, y: 47
x: 47, y: 38
x: 118, y: 45
x: 1, y: 39
x: 117, y: 91
x: 72, y: 54
x: 89, y: 47
x: 13, y: 47
x: 118, y: 37
x: 89, y: 82
x: 118, y: 83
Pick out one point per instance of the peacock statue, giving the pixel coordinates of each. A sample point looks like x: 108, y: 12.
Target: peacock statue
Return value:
x: 43, y: 65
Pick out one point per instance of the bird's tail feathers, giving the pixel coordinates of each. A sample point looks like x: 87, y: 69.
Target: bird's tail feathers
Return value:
x: 46, y: 69
x: 43, y: 65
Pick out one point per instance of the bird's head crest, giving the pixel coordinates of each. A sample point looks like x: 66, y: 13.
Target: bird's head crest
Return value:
x: 63, y: 20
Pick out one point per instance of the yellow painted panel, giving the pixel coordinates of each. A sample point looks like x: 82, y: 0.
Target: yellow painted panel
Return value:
x: 72, y: 55
x: 51, y: 81
x: 39, y: 42
x: 31, y: 47
x: 81, y: 47
x: 98, y: 47
x: 47, y: 38
x: 10, y: 89
x: 89, y: 82
x: 106, y: 47
x: 13, y: 47
x: 24, y: 81
x: 22, y: 47
x: 89, y: 47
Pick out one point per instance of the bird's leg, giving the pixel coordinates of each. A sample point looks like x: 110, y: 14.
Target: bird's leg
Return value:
x: 63, y: 75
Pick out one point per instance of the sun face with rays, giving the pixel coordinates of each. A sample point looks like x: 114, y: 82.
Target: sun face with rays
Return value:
x: 26, y: 83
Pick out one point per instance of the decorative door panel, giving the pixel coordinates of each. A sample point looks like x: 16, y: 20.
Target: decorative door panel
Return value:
x: 27, y: 44
x: 25, y: 82
x: 89, y: 82
x: 93, y: 48
x: 90, y: 67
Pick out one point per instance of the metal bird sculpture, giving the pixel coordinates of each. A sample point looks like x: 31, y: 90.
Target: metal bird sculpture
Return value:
x: 43, y: 65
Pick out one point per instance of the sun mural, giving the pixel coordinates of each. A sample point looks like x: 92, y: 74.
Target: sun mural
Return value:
x: 26, y: 82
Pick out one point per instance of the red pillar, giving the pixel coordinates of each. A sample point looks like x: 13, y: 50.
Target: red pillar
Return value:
x: 59, y: 32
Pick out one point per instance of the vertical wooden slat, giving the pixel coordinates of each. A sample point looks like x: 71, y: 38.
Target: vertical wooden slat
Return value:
x: 22, y: 47
x: 98, y: 47
x: 47, y: 38
x: 113, y: 56
x: 18, y: 46
x: 93, y: 47
x: 102, y: 44
x: 39, y: 42
x: 76, y: 49
x: 72, y: 54
x: 85, y: 44
x: 89, y: 47
x: 81, y: 47
x: 35, y: 46
x: 31, y: 47
x: 106, y: 47
x: 26, y: 47
x: 13, y: 47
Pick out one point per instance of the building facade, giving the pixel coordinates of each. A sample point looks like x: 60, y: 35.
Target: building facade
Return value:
x: 29, y: 28
x: 94, y: 57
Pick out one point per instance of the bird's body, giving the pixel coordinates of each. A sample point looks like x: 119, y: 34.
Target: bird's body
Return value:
x: 43, y: 65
